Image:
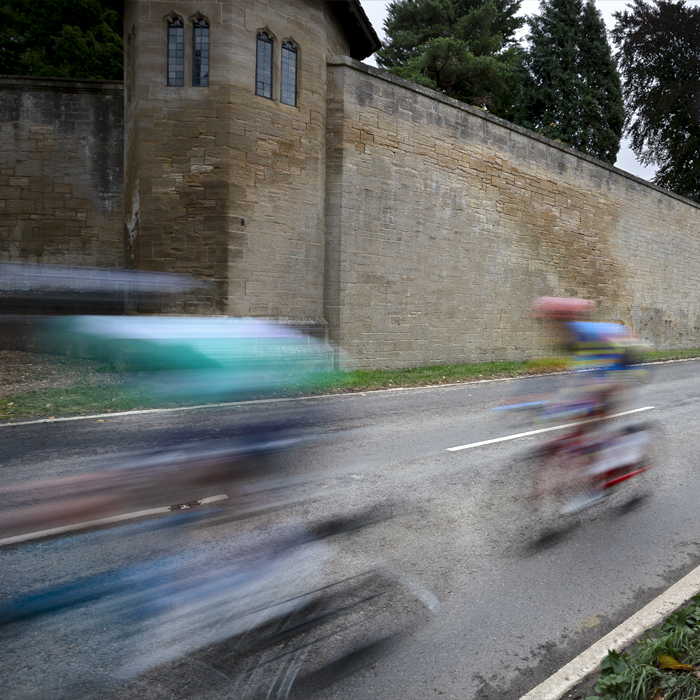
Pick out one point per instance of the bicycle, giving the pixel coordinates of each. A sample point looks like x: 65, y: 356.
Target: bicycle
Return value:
x: 577, y: 471
x: 257, y: 619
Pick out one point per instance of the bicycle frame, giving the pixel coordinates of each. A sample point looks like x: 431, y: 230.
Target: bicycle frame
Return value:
x: 578, y: 443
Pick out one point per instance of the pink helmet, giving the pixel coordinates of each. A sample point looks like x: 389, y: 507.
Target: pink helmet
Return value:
x: 562, y: 308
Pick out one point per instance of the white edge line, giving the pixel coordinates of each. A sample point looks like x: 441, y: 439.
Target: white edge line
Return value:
x: 101, y: 521
x: 545, y: 430
x: 349, y: 394
x: 143, y: 411
x: 622, y: 636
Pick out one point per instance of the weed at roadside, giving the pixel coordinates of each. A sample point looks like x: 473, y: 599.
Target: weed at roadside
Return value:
x: 668, y: 659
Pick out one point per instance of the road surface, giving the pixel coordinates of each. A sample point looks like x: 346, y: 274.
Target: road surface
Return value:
x: 512, y: 609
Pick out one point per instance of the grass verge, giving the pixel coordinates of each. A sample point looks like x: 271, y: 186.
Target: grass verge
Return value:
x: 84, y: 398
x: 663, y: 666
x: 660, y: 355
x: 76, y: 400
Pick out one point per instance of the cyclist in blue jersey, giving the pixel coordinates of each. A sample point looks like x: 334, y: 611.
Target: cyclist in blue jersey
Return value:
x: 603, y: 354
x: 602, y: 370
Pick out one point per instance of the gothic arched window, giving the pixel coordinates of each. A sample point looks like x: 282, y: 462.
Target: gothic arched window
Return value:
x: 200, y: 54
x: 288, y: 93
x: 176, y: 53
x: 263, y: 68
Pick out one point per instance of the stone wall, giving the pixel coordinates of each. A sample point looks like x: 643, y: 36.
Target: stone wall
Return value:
x: 61, y: 171
x: 221, y: 182
x: 444, y: 223
x: 418, y: 228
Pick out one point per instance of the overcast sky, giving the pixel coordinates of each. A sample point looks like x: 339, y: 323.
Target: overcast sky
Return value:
x: 376, y: 11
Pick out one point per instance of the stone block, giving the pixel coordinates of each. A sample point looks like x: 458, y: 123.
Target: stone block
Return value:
x: 20, y: 206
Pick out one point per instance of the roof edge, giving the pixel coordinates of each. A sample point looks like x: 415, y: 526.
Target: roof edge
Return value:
x: 359, y: 30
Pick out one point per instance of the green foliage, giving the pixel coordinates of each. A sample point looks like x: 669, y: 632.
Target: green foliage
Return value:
x: 659, y: 56
x: 615, y: 678
x: 61, y: 38
x: 570, y: 88
x: 122, y: 396
x: 465, y: 49
x: 636, y: 675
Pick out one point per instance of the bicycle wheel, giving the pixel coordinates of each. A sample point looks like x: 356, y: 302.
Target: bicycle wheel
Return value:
x: 561, y: 492
x: 642, y: 479
x: 335, y: 632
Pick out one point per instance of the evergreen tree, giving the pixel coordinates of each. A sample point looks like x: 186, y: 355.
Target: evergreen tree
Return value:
x: 61, y: 38
x: 659, y: 54
x: 463, y: 48
x: 570, y: 86
x: 603, y: 90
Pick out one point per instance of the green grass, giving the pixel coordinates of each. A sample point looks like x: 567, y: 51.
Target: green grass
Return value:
x: 86, y: 399
x: 76, y: 400
x: 365, y: 380
x: 637, y: 675
x: 659, y: 355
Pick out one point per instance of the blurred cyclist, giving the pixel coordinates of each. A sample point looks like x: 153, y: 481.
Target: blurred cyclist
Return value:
x: 602, y: 362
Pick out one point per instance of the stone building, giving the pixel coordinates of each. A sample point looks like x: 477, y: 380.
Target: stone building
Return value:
x: 404, y: 226
x: 225, y: 131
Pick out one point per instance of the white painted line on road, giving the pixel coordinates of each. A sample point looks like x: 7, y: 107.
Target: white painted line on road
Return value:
x: 144, y: 411
x: 102, y: 521
x: 621, y: 637
x: 545, y: 430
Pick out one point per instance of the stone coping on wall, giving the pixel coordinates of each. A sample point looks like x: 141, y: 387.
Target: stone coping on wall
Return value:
x: 481, y: 114
x: 31, y: 82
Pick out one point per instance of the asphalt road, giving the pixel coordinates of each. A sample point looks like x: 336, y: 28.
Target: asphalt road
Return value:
x: 512, y: 608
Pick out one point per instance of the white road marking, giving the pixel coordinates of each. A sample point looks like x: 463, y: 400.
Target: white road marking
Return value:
x: 421, y: 592
x: 621, y: 637
x: 144, y: 411
x: 544, y: 430
x: 101, y: 521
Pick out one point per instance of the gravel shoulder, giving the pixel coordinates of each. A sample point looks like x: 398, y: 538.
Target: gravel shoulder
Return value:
x: 21, y: 372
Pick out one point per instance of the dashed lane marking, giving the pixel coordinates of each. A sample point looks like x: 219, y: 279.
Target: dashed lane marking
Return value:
x: 101, y: 521
x: 545, y: 430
